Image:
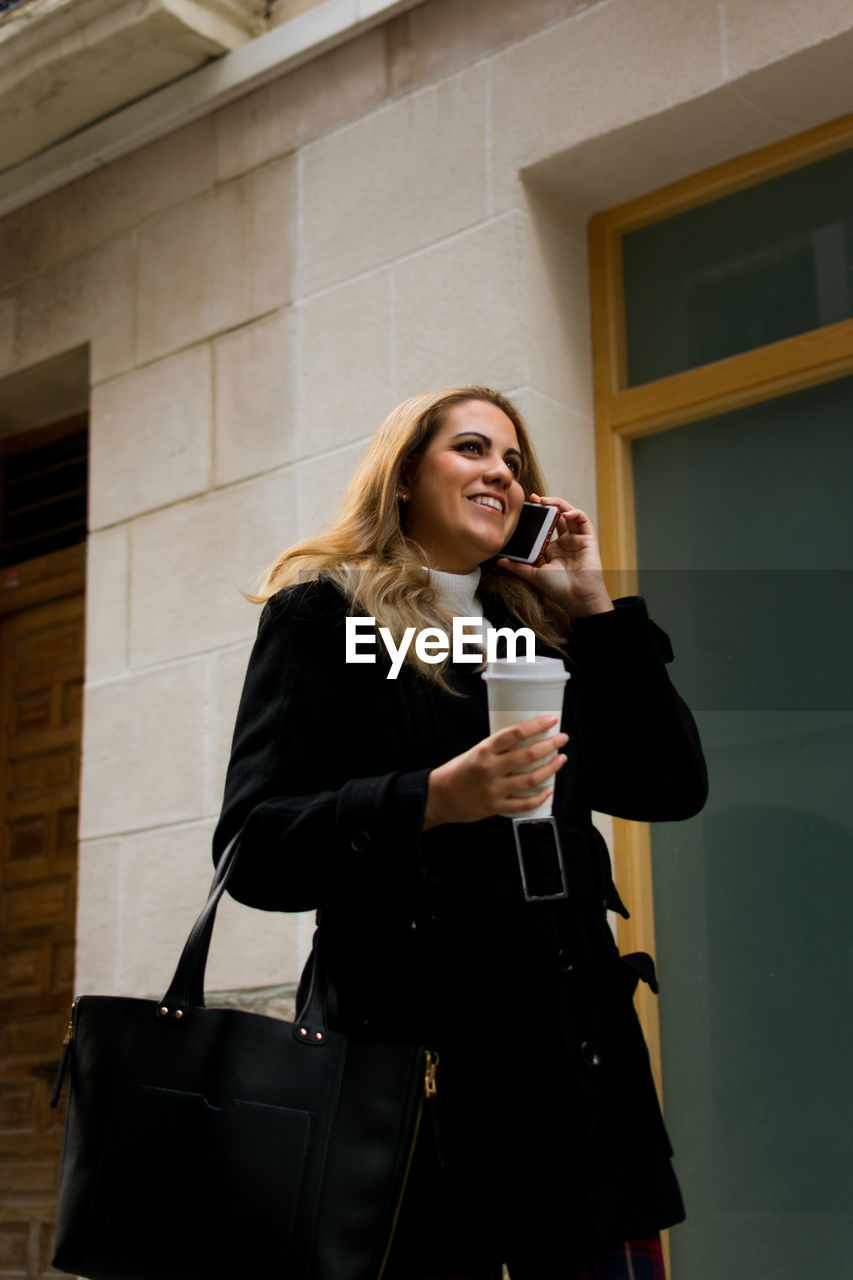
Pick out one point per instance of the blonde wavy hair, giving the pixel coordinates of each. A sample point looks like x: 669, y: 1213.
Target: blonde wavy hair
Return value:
x: 366, y: 552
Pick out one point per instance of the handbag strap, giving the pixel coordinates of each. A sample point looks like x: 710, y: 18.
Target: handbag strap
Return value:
x: 186, y: 990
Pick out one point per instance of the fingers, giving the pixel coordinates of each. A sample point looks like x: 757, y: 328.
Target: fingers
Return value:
x: 490, y: 777
x: 524, y: 758
x: 517, y: 806
x: 509, y: 738
x: 515, y: 798
x: 569, y: 514
x: 551, y: 501
x: 523, y: 781
x: 511, y: 788
x: 526, y: 766
x: 566, y: 508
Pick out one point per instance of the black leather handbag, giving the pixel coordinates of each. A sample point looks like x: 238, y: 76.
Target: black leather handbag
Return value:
x: 204, y: 1143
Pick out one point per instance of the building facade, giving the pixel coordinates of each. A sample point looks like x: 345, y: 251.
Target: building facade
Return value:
x: 231, y: 239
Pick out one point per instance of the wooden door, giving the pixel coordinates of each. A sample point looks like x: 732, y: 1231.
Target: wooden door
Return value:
x: 41, y: 681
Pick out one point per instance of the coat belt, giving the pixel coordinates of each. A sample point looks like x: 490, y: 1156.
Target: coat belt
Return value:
x: 494, y: 873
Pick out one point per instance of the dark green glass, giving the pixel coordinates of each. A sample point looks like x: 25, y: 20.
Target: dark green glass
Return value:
x: 749, y: 269
x: 745, y: 544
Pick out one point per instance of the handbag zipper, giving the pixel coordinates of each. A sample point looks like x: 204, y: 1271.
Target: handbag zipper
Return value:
x: 430, y: 1085
x: 430, y: 1090
x: 63, y: 1058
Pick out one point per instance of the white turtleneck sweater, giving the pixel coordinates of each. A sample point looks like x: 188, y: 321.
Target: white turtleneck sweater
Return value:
x: 457, y: 593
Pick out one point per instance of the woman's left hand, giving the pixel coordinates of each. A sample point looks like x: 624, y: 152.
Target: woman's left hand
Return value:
x: 569, y: 570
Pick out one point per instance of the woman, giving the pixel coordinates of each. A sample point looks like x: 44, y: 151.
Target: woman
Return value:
x: 380, y: 801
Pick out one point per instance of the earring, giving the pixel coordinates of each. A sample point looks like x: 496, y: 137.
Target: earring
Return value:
x: 403, y: 497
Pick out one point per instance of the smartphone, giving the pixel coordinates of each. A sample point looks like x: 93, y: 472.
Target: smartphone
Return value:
x: 534, y: 528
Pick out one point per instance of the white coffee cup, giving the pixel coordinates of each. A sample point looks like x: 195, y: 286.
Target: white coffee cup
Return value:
x: 520, y: 691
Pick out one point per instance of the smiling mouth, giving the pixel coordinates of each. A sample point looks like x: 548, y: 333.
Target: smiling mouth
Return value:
x: 491, y: 504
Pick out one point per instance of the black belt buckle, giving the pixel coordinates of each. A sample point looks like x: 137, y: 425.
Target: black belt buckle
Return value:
x: 540, y: 859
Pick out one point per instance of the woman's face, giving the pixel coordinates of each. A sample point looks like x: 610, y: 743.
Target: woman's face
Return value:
x: 464, y: 496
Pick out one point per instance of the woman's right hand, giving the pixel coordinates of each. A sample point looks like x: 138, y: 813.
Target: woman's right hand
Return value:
x: 485, y: 780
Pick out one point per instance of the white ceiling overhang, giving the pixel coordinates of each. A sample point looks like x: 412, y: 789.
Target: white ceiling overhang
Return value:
x: 65, y: 63
x: 83, y: 82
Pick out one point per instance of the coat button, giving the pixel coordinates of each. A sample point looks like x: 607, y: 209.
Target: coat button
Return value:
x: 565, y: 963
x: 359, y: 841
x: 590, y: 1054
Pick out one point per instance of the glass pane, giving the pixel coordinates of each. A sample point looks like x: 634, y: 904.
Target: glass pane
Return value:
x: 752, y: 268
x: 745, y: 531
x: 43, y: 499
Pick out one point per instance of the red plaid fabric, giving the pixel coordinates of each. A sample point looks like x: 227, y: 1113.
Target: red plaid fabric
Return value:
x: 631, y: 1260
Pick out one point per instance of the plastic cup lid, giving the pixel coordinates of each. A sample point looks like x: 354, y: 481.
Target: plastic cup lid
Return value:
x: 542, y: 669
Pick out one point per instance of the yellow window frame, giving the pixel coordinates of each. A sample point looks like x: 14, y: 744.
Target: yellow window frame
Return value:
x: 625, y: 413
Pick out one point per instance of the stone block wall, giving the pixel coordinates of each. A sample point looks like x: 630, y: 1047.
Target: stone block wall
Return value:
x: 260, y: 287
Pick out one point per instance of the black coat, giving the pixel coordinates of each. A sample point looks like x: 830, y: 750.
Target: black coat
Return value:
x: 529, y: 1005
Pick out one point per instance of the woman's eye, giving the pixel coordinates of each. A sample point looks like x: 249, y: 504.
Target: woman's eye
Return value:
x: 476, y: 445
